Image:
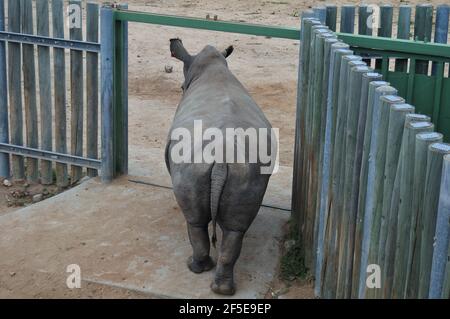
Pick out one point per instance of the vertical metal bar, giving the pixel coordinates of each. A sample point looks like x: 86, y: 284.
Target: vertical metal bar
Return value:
x: 122, y: 95
x: 441, y: 28
x: 107, y: 33
x: 438, y: 93
x: 45, y: 89
x: 76, y: 93
x: 92, y: 17
x: 347, y: 18
x: 404, y: 29
x: 15, y: 87
x: 385, y: 67
x: 118, y: 107
x: 411, y: 80
x: 4, y: 126
x: 59, y: 78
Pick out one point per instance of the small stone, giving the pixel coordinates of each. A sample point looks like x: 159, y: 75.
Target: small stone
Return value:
x: 12, y: 273
x: 37, y: 198
x: 168, y: 68
x: 7, y: 183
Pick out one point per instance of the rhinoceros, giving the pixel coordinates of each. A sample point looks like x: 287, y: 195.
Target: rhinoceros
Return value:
x: 226, y: 192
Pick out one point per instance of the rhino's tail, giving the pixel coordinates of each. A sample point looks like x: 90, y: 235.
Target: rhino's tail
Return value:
x: 218, y: 178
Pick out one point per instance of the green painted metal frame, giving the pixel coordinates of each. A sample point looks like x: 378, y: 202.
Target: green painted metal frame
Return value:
x: 384, y: 47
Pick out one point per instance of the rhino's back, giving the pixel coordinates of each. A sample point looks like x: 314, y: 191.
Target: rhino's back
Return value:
x: 220, y: 102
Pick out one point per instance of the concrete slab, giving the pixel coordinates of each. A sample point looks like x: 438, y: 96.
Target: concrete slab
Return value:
x: 126, y: 236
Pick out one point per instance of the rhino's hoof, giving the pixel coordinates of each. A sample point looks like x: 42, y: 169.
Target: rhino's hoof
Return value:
x: 200, y: 266
x: 225, y: 288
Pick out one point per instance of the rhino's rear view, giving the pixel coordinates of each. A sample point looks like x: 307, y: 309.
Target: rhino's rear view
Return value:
x: 220, y: 154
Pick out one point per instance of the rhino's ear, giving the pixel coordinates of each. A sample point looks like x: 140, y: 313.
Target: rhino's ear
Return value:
x: 226, y: 53
x: 178, y: 51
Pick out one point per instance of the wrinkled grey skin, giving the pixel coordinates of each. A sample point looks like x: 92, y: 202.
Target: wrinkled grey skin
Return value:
x: 229, y: 193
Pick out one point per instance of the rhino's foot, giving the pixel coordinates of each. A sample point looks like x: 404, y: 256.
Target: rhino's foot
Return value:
x: 223, y: 288
x: 200, y: 266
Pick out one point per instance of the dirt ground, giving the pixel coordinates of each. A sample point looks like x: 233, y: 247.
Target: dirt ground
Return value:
x: 267, y: 67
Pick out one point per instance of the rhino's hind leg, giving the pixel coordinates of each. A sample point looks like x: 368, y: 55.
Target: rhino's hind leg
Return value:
x: 230, y: 249
x: 200, y: 261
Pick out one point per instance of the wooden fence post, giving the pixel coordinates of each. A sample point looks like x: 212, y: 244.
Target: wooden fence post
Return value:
x: 364, y: 12
x: 374, y: 158
x: 423, y: 25
x: 299, y: 172
x: 76, y: 96
x: 15, y: 88
x: 441, y: 28
x: 320, y: 13
x: 311, y: 147
x: 45, y: 89
x: 330, y: 248
x: 316, y: 133
x: 404, y: 29
x: 375, y: 198
x: 391, y: 238
x: 4, y: 126
x: 365, y: 102
x: 299, y: 126
x: 385, y: 27
x: 330, y: 51
x: 436, y: 153
x: 339, y: 155
x: 29, y: 91
x: 347, y: 18
x: 59, y: 78
x: 441, y: 258
x: 331, y: 17
x: 348, y: 222
x: 423, y: 141
x: 397, y: 117
x: 405, y: 205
